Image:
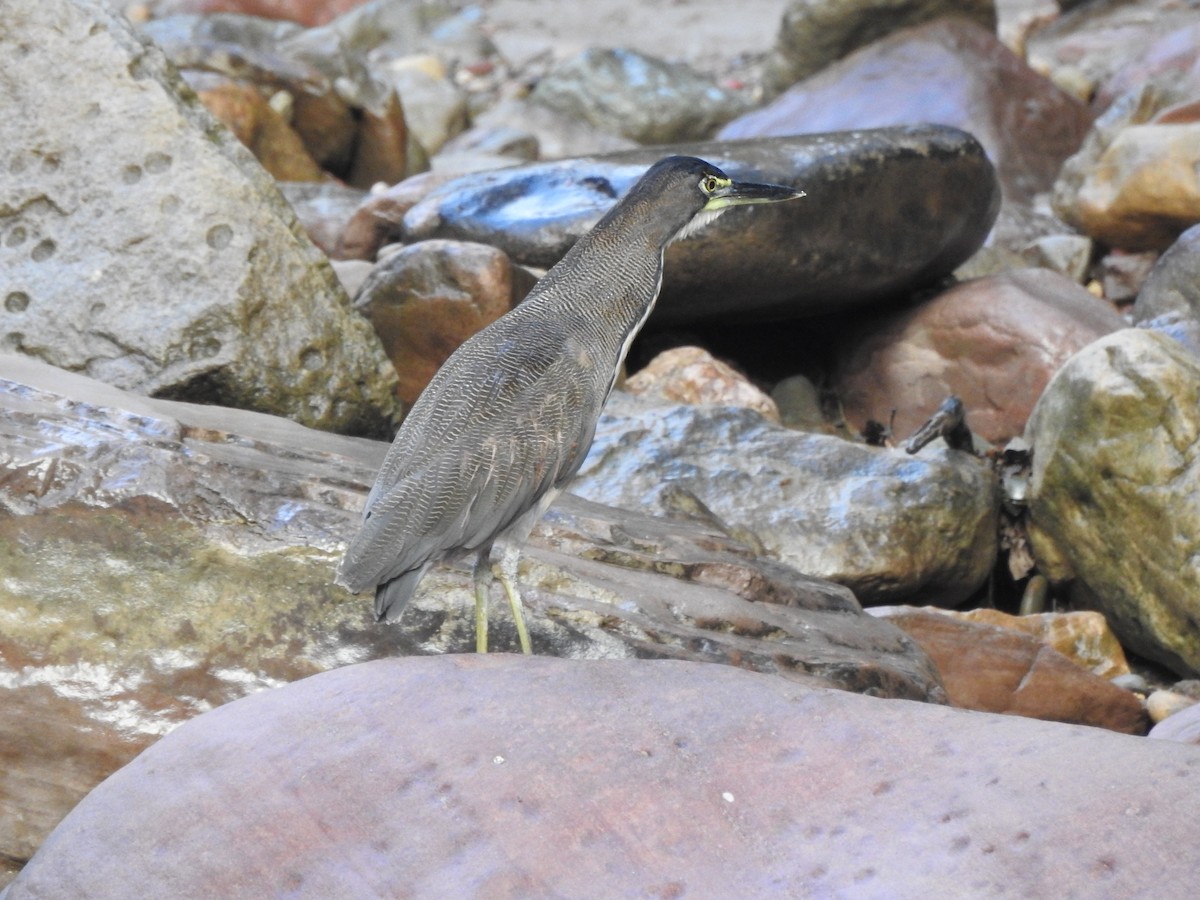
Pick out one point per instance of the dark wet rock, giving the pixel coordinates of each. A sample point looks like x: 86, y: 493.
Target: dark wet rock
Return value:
x: 196, y: 283
x: 641, y: 97
x: 163, y: 558
x: 815, y: 33
x: 1173, y: 285
x: 452, y: 777
x: 1113, y: 513
x: 323, y: 210
x: 993, y: 669
x: 836, y: 248
x: 994, y: 342
x: 887, y: 525
x: 952, y: 72
x: 426, y: 299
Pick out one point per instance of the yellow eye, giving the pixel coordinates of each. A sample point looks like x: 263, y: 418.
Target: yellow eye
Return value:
x: 709, y: 184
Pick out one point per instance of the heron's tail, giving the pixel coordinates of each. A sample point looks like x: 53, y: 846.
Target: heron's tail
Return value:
x: 392, y: 596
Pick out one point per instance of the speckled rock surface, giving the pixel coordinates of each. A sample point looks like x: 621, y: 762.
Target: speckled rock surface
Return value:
x: 162, y: 259
x: 509, y: 777
x: 1114, y: 518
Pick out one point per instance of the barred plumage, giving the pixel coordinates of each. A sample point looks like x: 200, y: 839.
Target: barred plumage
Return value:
x: 508, y: 419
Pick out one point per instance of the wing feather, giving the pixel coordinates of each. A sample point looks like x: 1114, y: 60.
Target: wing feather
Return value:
x: 509, y: 416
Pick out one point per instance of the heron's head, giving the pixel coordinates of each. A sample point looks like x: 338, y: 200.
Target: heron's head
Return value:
x: 685, y: 194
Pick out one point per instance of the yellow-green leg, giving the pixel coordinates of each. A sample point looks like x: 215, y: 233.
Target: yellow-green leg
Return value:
x: 483, y: 580
x: 507, y: 572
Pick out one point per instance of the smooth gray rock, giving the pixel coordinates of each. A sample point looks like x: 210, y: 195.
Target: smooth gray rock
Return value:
x: 434, y: 108
x: 1173, y: 286
x: 835, y: 249
x: 142, y: 245
x: 1114, y: 510
x: 558, y: 136
x: 815, y: 33
x: 163, y: 558
x: 640, y: 97
x: 323, y: 209
x: 508, y: 777
x: 889, y: 526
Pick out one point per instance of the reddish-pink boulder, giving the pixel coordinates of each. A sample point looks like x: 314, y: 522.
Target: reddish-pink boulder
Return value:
x: 995, y: 342
x: 952, y: 72
x: 499, y: 776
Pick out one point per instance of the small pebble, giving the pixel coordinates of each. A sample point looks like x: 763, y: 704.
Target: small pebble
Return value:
x: 1163, y: 704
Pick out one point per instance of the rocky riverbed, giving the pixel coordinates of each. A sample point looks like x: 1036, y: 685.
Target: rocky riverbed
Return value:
x: 237, y: 238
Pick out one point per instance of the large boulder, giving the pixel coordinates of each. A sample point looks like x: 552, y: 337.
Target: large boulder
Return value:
x: 891, y: 527
x: 510, y: 777
x: 145, y: 247
x: 815, y: 33
x: 994, y: 342
x: 1115, y: 490
x: 950, y: 71
x: 886, y: 211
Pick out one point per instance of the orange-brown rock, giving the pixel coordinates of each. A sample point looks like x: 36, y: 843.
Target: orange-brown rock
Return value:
x: 245, y: 112
x: 377, y: 219
x: 692, y: 375
x: 1082, y: 636
x: 381, y: 150
x: 994, y: 669
x: 426, y: 299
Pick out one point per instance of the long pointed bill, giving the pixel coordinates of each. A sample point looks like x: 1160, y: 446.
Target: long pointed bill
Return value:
x: 740, y: 193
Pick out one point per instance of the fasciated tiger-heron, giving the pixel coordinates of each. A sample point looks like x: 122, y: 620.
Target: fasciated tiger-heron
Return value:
x: 508, y: 419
